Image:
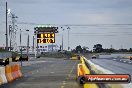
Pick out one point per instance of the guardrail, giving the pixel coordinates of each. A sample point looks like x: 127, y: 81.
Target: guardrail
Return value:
x: 83, y: 70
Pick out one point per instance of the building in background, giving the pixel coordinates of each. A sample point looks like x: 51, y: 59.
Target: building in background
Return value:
x: 48, y: 48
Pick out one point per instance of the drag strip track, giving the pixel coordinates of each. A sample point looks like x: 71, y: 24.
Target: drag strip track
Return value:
x: 114, y: 66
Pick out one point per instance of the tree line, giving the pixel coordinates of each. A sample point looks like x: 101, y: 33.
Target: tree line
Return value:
x: 98, y: 48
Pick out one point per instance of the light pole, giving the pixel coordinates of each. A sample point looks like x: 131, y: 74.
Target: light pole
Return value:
x: 6, y: 29
x: 21, y: 46
x: 10, y: 29
x: 62, y: 38
x: 27, y: 43
x: 33, y: 44
x: 68, y: 38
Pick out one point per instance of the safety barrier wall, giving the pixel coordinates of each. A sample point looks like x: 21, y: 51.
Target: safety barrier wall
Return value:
x: 83, y: 70
x: 2, y: 75
x: 10, y: 73
x: 100, y: 70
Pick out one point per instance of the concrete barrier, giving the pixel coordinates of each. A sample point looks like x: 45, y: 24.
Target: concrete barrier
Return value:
x: 14, y: 72
x: 2, y: 74
x: 82, y: 60
x: 18, y: 70
x: 8, y: 72
x: 1, y: 81
x: 79, y: 72
x: 83, y: 70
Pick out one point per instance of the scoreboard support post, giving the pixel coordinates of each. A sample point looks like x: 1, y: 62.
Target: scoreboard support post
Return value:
x: 35, y: 42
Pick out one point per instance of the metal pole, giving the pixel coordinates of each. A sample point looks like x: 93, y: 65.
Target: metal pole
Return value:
x: 6, y: 29
x: 13, y: 30
x: 10, y: 28
x: 27, y: 44
x: 33, y: 44
x: 68, y: 39
x: 37, y: 49
x: 10, y: 46
x: 21, y: 46
x: 62, y: 40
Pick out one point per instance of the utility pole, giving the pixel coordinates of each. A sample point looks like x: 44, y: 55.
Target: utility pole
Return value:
x: 6, y: 29
x: 33, y: 44
x: 37, y: 48
x: 27, y: 43
x: 62, y: 39
x: 68, y: 38
x: 10, y: 33
x: 21, y: 45
x: 13, y: 36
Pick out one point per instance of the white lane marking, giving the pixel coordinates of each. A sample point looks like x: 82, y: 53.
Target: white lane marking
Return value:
x: 64, y: 82
x: 52, y: 72
x: 124, y: 61
x: 130, y: 62
x: 120, y: 60
x: 114, y: 59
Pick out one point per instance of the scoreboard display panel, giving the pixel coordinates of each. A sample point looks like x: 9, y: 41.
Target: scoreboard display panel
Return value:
x: 49, y: 40
x: 46, y: 35
x: 46, y: 38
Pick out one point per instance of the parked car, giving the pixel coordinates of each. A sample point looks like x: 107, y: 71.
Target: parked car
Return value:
x: 75, y: 57
x: 94, y: 57
x: 23, y: 57
x: 4, y: 61
x: 38, y: 56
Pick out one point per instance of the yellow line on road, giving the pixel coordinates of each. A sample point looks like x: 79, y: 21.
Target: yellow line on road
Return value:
x: 90, y: 86
x: 68, y: 77
x: 72, y: 69
x: 62, y: 86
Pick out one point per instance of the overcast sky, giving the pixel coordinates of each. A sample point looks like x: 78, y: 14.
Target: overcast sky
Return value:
x: 75, y: 12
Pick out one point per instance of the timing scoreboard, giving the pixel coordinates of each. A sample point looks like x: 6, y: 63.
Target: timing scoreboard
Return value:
x: 46, y: 38
x: 45, y: 34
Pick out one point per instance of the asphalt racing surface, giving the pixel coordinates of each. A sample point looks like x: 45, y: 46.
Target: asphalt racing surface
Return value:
x: 119, y: 66
x: 47, y: 73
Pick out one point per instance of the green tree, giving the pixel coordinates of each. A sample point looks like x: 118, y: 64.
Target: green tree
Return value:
x: 98, y: 48
x: 79, y: 49
x: 85, y: 49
